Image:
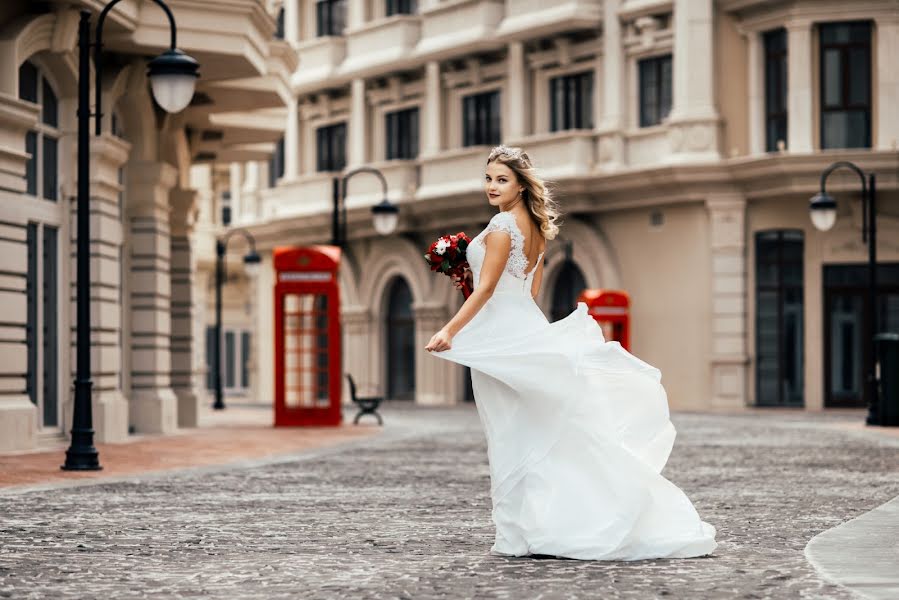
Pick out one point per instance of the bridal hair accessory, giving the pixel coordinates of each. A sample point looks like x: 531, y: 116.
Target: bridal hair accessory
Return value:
x: 509, y: 153
x: 447, y: 255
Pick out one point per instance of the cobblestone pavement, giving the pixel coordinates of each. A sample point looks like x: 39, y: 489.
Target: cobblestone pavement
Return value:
x: 407, y: 515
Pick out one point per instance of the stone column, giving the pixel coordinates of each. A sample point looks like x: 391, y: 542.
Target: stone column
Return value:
x: 517, y: 102
x: 292, y: 21
x: 355, y: 13
x: 431, y: 132
x: 18, y: 416
x: 800, y: 116
x: 250, y: 192
x: 235, y: 189
x: 608, y: 85
x: 262, y: 377
x: 729, y: 360
x: 109, y: 405
x: 356, y: 324
x: 185, y: 381
x: 436, y: 381
x: 756, y: 89
x: 887, y: 92
x: 357, y: 133
x: 694, y: 125
x: 292, y: 141
x: 154, y: 406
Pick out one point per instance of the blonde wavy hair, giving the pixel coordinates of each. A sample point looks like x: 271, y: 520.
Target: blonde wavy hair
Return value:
x: 536, y: 195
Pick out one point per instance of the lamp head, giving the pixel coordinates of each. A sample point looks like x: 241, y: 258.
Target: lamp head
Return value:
x: 251, y: 263
x: 823, y: 211
x: 173, y: 77
x: 386, y: 217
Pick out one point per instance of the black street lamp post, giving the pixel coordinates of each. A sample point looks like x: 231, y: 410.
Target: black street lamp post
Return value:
x: 251, y: 265
x: 173, y: 76
x: 385, y: 213
x: 823, y: 210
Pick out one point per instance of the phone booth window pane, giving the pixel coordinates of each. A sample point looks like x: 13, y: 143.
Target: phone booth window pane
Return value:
x: 306, y: 374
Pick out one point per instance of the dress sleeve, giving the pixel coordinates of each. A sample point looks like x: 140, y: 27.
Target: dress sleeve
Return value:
x: 504, y: 222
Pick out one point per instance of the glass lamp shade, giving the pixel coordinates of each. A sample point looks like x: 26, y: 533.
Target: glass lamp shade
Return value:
x: 251, y: 264
x: 173, y: 77
x: 823, y: 211
x: 386, y: 217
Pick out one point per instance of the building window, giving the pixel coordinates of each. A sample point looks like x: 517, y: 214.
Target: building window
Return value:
x: 402, y: 134
x: 655, y: 90
x: 779, y: 318
x: 845, y: 85
x: 331, y: 147
x: 42, y: 328
x: 276, y: 164
x: 330, y: 17
x: 775, y: 89
x: 401, y: 7
x: 480, y: 119
x: 226, y: 208
x: 279, y: 24
x: 235, y: 359
x: 42, y: 143
x: 571, y: 102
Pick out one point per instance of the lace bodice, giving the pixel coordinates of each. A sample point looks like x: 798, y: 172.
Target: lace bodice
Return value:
x: 516, y: 276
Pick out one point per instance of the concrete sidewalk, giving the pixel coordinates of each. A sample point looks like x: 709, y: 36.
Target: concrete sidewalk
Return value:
x: 238, y: 433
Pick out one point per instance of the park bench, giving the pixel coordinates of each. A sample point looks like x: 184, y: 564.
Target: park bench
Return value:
x: 367, y: 406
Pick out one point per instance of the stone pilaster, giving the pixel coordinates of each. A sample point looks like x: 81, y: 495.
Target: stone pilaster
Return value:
x: 110, y: 406
x: 694, y: 126
x: 727, y: 218
x: 436, y: 381
x: 357, y: 326
x: 800, y: 116
x: 517, y: 106
x: 262, y: 374
x: 184, y: 375
x: 432, y: 136
x: 358, y: 123
x: 887, y: 92
x: 18, y: 416
x: 292, y: 141
x: 610, y: 113
x: 292, y: 21
x: 154, y: 406
x: 756, y: 89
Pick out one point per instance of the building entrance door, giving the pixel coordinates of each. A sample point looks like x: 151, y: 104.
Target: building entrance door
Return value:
x: 847, y: 328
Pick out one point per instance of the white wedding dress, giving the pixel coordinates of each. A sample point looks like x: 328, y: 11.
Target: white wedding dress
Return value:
x: 577, y: 429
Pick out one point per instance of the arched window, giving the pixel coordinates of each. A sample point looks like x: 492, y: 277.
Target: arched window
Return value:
x: 569, y: 284
x: 400, y: 329
x: 42, y: 143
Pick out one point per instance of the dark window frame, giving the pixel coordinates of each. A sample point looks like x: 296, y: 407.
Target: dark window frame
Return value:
x: 775, y: 43
x: 330, y: 17
x: 845, y: 106
x: 655, y: 109
x: 400, y: 7
x: 781, y: 289
x: 401, y: 134
x: 571, y: 101
x: 276, y: 164
x: 42, y: 143
x: 330, y: 147
x: 481, y: 114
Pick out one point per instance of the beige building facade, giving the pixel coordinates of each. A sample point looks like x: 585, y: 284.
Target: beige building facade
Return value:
x: 683, y: 138
x: 149, y: 174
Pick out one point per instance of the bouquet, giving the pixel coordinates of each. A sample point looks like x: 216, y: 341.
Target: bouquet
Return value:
x: 447, y: 255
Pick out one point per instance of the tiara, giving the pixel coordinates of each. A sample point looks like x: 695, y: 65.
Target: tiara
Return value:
x: 514, y: 153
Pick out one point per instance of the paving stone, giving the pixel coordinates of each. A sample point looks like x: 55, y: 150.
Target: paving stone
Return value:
x: 407, y: 515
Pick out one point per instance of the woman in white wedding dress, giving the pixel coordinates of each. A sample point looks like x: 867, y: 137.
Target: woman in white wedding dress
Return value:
x: 577, y: 428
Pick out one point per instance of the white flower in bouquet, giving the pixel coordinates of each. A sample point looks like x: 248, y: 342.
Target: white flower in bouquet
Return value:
x: 442, y: 245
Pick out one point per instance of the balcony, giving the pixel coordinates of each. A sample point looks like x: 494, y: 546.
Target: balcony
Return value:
x: 459, y: 25
x: 453, y: 172
x: 319, y: 60
x: 380, y: 43
x: 307, y: 195
x: 646, y: 147
x: 536, y: 18
x: 562, y: 154
x: 402, y: 180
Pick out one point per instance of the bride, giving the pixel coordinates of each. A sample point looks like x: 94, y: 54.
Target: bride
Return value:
x: 577, y: 428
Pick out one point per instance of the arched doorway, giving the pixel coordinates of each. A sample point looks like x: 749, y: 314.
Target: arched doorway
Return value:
x: 400, y: 332
x: 569, y: 284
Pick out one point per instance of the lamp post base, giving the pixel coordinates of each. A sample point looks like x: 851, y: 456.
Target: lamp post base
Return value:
x: 82, y: 459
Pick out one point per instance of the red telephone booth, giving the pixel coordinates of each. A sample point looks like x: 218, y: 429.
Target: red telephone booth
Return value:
x: 611, y: 309
x: 307, y: 336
